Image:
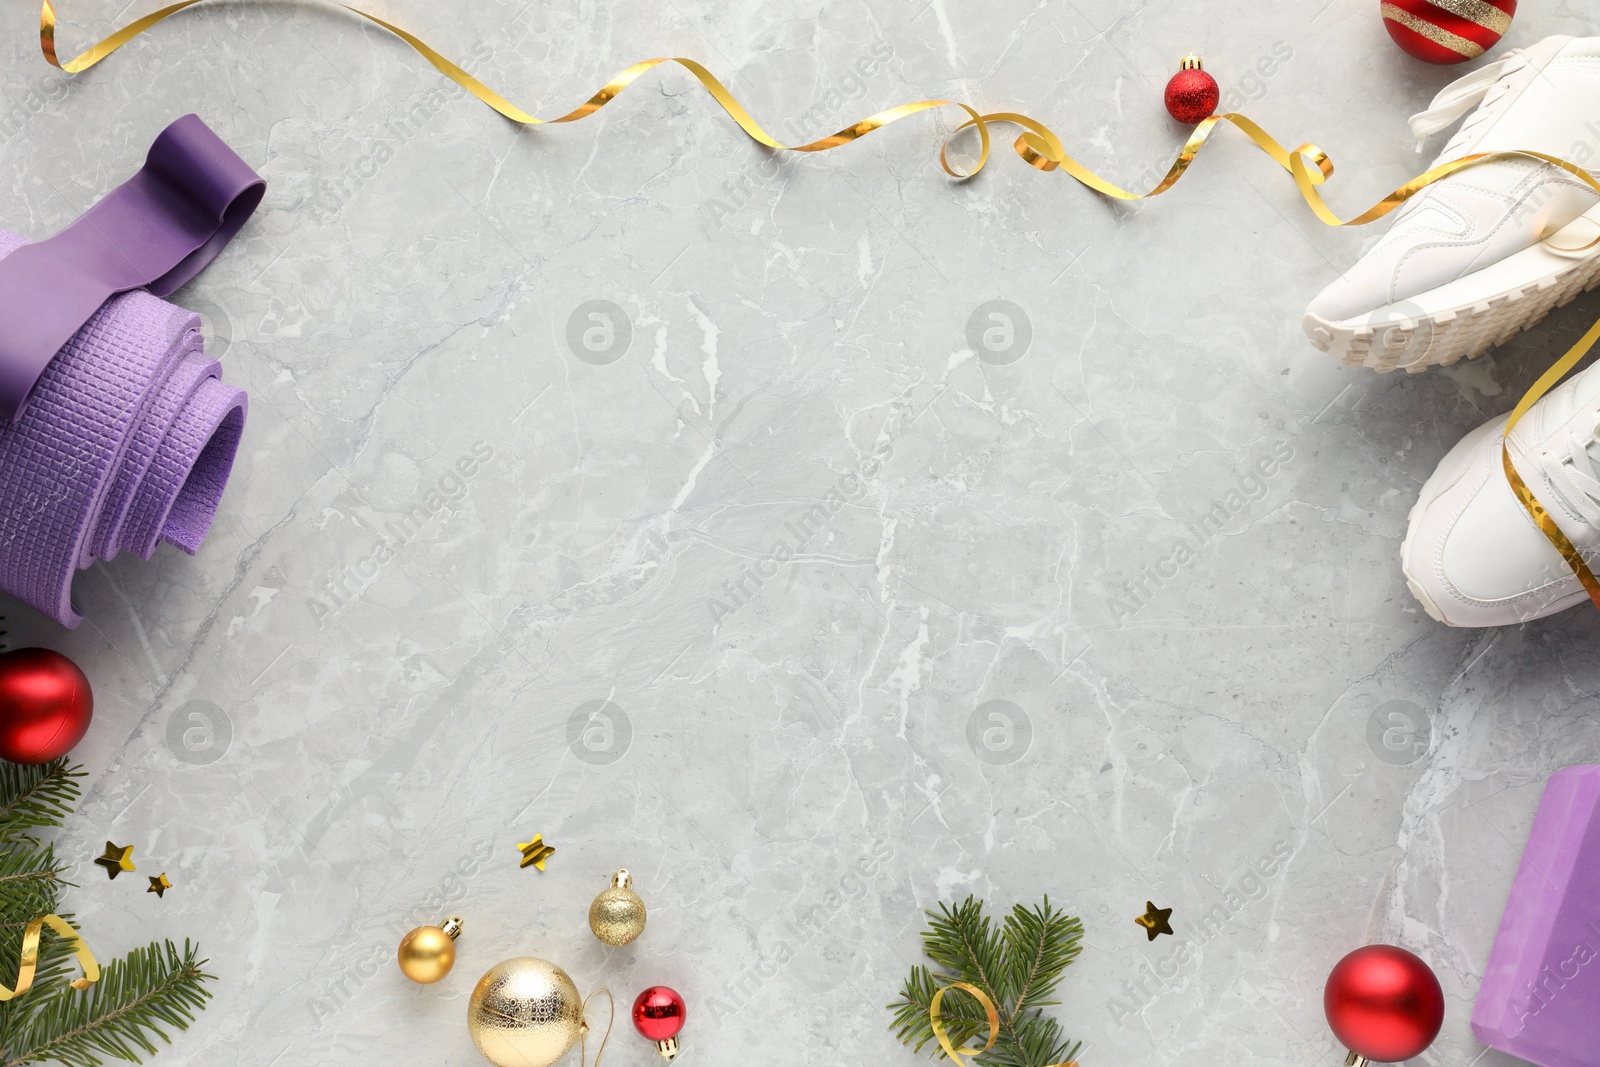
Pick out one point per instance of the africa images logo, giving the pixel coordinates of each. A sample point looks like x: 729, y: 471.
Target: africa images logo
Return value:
x: 1248, y: 488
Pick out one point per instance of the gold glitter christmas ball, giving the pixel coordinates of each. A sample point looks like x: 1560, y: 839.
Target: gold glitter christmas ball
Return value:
x: 524, y: 1012
x: 428, y: 952
x: 617, y: 914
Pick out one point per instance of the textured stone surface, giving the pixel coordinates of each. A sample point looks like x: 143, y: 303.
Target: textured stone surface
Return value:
x: 333, y: 723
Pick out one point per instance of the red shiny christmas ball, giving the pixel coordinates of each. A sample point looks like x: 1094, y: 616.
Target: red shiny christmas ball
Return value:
x: 1383, y: 1003
x: 45, y: 705
x: 658, y: 1013
x: 1447, y: 31
x: 1192, y: 94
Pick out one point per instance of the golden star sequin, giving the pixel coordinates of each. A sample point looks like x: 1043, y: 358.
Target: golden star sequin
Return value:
x: 117, y: 859
x: 1154, y: 920
x: 535, y: 852
x: 159, y: 884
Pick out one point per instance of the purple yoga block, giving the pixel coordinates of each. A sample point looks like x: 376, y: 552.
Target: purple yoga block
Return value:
x: 1540, y: 998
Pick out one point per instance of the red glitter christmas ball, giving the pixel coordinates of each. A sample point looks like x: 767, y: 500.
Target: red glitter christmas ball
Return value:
x: 1447, y: 31
x: 1192, y: 94
x: 1383, y: 1003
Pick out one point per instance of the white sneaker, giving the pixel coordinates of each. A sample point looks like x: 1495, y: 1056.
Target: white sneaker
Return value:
x: 1463, y: 266
x: 1472, y: 555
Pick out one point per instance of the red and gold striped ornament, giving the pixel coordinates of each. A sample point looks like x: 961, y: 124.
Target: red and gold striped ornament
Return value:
x: 1447, y: 31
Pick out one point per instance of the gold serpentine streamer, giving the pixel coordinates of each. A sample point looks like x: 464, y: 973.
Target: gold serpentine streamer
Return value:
x: 607, y: 93
x: 1536, y: 511
x: 29, y: 962
x: 936, y: 1018
x: 1038, y: 145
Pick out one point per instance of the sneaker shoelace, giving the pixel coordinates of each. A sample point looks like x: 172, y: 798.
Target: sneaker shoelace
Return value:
x: 1574, y: 475
x: 1485, y: 86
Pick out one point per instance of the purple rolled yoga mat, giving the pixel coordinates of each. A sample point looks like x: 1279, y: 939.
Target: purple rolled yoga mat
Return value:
x: 1540, y: 997
x: 127, y: 440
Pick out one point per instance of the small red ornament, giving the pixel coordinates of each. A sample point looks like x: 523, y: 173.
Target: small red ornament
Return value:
x: 1383, y: 1004
x: 1447, y: 31
x: 1192, y: 94
x: 658, y: 1014
x: 45, y: 705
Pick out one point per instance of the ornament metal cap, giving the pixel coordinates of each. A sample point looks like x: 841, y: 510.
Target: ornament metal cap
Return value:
x: 668, y: 1048
x: 622, y: 879
x: 1191, y: 62
x: 452, y: 927
x: 1355, y: 1060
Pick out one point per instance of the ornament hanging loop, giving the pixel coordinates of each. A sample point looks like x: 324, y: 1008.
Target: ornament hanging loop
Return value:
x: 583, y: 1028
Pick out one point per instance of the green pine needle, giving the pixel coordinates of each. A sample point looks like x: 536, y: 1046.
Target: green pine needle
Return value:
x: 34, y: 796
x: 1019, y: 966
x: 138, y: 999
x: 141, y: 996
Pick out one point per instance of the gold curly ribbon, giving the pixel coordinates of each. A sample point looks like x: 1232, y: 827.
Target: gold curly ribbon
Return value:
x: 30, y: 956
x: 936, y: 1018
x: 1037, y: 145
x: 1541, y: 518
x: 608, y: 92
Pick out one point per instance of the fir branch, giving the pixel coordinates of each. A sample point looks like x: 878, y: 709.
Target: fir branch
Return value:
x: 36, y: 795
x: 138, y: 997
x: 1018, y: 967
x: 53, y: 972
x: 30, y: 881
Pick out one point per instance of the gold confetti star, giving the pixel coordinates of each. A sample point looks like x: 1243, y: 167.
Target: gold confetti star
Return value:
x: 159, y: 886
x: 1154, y: 920
x: 116, y: 860
x: 535, y: 852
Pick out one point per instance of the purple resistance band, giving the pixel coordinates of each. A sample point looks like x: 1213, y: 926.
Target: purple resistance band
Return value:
x: 157, y: 230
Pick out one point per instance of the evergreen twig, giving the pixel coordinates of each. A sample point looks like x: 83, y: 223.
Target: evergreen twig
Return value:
x: 36, y: 795
x: 1018, y: 966
x: 138, y: 998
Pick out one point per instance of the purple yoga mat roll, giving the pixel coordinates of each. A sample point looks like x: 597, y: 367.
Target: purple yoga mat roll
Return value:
x: 127, y: 441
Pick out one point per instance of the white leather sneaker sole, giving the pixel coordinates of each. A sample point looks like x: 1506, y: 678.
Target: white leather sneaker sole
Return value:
x: 1471, y: 314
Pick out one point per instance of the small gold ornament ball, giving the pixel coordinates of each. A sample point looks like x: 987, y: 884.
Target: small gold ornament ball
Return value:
x: 428, y: 952
x: 524, y: 1012
x: 617, y: 914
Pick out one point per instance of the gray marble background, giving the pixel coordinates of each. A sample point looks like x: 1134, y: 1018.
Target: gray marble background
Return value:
x: 333, y: 724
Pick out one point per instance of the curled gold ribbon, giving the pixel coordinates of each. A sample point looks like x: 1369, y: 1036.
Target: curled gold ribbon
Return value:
x: 1536, y: 511
x: 1038, y: 146
x: 29, y: 962
x: 607, y: 93
x: 936, y: 1018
